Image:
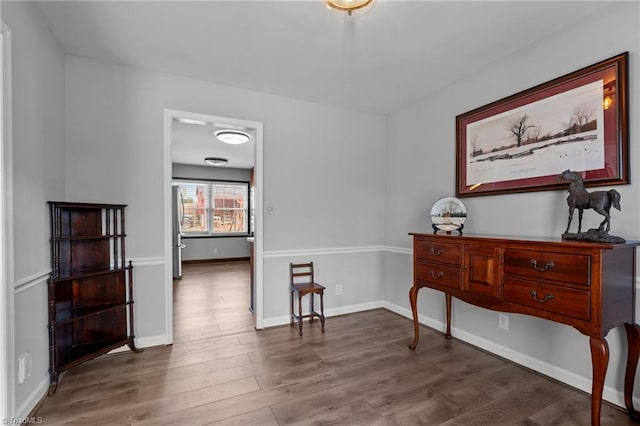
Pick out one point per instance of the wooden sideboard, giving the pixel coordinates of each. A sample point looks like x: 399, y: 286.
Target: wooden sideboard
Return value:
x: 589, y: 286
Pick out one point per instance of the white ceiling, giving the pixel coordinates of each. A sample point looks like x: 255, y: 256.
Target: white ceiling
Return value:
x: 192, y: 143
x: 393, y: 55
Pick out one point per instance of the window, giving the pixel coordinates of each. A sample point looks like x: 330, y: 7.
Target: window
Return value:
x: 213, y: 208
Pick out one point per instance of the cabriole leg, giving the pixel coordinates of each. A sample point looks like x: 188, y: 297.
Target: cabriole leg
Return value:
x: 413, y: 297
x: 599, y: 360
x: 633, y: 351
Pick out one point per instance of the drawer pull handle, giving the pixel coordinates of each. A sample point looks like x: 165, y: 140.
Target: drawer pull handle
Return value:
x: 534, y: 294
x: 435, y: 252
x: 548, y: 266
x: 437, y: 275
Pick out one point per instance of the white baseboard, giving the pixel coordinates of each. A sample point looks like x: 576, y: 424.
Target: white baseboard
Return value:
x: 148, y: 342
x: 429, y: 322
x: 34, y: 398
x: 579, y: 382
x: 331, y: 312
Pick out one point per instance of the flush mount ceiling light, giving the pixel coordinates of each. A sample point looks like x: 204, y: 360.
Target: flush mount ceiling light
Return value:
x: 348, y: 6
x: 233, y: 137
x: 216, y: 161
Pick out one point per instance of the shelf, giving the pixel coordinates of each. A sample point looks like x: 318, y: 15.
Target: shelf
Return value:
x: 78, y: 314
x: 81, y: 353
x: 86, y: 274
x: 91, y: 284
x: 86, y: 237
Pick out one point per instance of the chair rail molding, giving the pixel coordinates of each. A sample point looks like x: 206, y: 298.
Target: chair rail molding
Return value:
x: 271, y: 254
x: 32, y: 280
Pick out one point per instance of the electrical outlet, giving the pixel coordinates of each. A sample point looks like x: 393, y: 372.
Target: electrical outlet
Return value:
x: 24, y: 367
x: 215, y: 251
x: 503, y: 321
x: 338, y: 289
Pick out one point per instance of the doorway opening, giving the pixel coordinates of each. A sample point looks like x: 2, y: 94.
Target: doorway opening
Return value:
x: 216, y: 225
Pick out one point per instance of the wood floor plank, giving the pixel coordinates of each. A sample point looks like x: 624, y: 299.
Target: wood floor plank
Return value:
x: 128, y: 406
x: 515, y: 407
x: 423, y: 407
x: 262, y: 417
x: 575, y: 409
x: 353, y: 413
x: 238, y: 405
x: 219, y: 370
x: 381, y: 375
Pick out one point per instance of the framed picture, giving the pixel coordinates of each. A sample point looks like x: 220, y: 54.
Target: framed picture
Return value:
x: 523, y: 142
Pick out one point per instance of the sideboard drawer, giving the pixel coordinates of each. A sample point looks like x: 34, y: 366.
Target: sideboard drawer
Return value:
x: 439, y: 252
x: 439, y: 274
x: 565, y: 301
x: 561, y: 267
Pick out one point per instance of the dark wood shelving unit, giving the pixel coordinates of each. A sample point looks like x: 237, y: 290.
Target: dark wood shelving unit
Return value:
x: 90, y: 287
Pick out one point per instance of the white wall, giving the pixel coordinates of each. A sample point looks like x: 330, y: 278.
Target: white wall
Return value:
x: 421, y: 152
x: 198, y: 248
x: 324, y: 175
x: 38, y: 176
x: 214, y: 248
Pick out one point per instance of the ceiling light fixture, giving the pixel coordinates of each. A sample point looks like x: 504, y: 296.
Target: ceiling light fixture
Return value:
x: 233, y: 137
x: 216, y: 161
x: 348, y: 5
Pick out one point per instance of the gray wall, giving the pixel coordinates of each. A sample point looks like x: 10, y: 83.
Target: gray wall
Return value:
x: 38, y: 90
x: 216, y: 247
x: 324, y: 183
x: 422, y: 169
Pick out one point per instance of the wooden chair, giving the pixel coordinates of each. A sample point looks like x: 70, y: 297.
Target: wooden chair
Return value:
x: 303, y: 283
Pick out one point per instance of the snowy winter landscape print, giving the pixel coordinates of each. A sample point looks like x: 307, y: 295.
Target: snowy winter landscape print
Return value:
x: 543, y: 138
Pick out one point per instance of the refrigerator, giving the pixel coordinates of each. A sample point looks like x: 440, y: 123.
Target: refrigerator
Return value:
x: 177, y: 207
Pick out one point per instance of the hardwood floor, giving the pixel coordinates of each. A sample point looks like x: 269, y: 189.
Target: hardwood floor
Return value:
x: 359, y: 372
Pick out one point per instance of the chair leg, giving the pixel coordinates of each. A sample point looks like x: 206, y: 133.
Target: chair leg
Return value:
x: 311, y: 311
x: 291, y: 310
x: 300, y: 314
x: 322, y: 310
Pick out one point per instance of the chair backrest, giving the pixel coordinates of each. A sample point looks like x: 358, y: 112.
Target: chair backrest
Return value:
x: 301, y: 273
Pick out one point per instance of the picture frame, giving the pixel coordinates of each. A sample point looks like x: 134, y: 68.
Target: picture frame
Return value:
x: 523, y: 142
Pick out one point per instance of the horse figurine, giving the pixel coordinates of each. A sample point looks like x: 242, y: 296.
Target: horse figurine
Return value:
x: 579, y: 198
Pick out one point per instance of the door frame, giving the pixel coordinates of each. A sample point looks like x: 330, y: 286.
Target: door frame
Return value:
x: 7, y: 288
x: 258, y: 266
